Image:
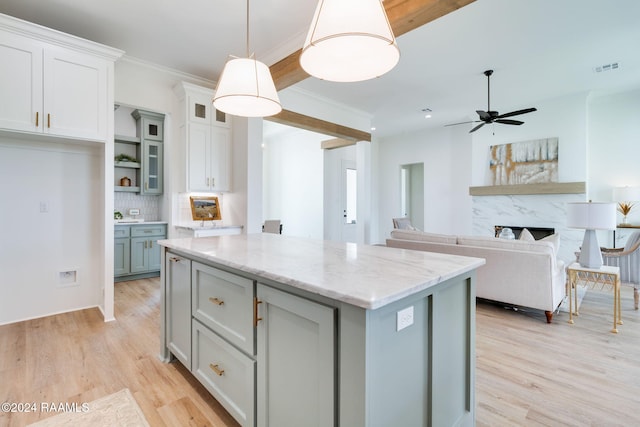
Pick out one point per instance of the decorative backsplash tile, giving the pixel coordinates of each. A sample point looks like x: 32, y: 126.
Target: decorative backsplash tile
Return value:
x: 149, y: 205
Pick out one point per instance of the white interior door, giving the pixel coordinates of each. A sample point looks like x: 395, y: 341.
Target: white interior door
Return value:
x: 349, y: 189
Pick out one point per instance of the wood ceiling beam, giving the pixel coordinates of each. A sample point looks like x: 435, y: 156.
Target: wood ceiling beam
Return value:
x: 301, y: 121
x: 404, y: 16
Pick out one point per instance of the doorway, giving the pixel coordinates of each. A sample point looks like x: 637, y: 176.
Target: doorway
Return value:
x: 412, y: 193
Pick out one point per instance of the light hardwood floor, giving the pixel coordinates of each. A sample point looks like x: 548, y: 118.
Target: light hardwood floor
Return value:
x: 528, y: 372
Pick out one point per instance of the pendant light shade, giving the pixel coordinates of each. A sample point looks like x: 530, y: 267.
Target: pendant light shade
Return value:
x: 349, y: 41
x: 246, y: 89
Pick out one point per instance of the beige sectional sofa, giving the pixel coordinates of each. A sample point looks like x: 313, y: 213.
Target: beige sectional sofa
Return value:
x: 517, y: 272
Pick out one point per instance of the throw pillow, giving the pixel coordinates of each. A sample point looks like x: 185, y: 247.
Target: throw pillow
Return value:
x: 555, y: 239
x: 526, y: 235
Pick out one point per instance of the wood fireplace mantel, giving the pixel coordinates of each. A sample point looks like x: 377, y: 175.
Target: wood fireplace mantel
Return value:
x: 525, y: 189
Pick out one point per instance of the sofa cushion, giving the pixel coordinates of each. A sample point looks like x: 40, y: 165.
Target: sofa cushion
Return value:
x: 423, y: 236
x: 526, y: 235
x: 520, y: 245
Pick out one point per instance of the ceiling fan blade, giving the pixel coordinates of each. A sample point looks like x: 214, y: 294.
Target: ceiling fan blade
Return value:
x: 509, y: 122
x: 462, y: 123
x: 477, y: 127
x: 516, y: 113
x: 483, y: 115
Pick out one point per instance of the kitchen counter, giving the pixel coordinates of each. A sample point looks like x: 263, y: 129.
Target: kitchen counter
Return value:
x: 363, y: 275
x: 282, y: 330
x: 137, y: 222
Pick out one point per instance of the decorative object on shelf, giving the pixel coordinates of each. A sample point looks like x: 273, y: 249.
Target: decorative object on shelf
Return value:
x: 625, y: 196
x: 125, y: 158
x: 205, y: 208
x: 349, y: 41
x: 125, y: 182
x: 507, y: 233
x: 246, y: 88
x: 591, y: 217
x: 117, y: 215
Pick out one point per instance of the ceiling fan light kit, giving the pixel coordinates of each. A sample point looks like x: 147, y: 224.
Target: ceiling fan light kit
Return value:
x: 245, y: 87
x: 349, y: 41
x: 489, y: 116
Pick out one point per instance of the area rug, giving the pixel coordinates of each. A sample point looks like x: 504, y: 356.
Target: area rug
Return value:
x: 581, y: 291
x: 115, y: 410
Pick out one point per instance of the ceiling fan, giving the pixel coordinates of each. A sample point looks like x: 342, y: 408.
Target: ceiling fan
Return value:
x: 493, y: 116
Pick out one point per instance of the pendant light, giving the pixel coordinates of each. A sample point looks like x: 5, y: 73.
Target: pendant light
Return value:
x: 349, y: 41
x: 245, y: 87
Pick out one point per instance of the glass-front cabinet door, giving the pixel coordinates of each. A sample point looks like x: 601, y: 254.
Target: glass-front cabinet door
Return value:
x: 152, y: 168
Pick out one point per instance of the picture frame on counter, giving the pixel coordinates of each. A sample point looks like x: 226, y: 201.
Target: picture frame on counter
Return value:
x: 205, y: 208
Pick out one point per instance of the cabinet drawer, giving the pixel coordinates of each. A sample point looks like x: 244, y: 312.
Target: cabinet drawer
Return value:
x: 148, y: 230
x: 224, y: 302
x: 228, y: 374
x: 120, y: 232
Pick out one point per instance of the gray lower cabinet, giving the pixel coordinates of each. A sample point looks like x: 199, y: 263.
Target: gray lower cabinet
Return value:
x: 278, y: 356
x: 136, y: 250
x: 178, y: 307
x: 121, y: 251
x: 296, y: 361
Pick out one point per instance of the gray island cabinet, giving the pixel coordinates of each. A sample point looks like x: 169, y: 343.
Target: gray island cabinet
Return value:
x: 287, y: 331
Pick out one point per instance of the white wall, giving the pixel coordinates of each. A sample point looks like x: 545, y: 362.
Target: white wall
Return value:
x: 293, y: 180
x: 50, y: 222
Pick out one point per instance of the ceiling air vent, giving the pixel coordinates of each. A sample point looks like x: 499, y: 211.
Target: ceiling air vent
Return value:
x: 607, y: 67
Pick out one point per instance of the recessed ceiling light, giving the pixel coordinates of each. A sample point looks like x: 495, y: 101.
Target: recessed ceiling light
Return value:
x: 427, y: 116
x: 373, y: 128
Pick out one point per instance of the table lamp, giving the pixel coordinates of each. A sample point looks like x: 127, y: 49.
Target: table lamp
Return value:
x: 625, y: 196
x: 591, y: 216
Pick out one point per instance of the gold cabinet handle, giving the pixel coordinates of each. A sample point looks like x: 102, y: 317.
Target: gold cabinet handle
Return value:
x: 216, y: 301
x: 207, y: 182
x: 145, y: 244
x: 150, y: 243
x: 213, y: 182
x: 256, y: 318
x: 48, y: 120
x: 37, y: 118
x: 215, y: 368
x: 174, y: 259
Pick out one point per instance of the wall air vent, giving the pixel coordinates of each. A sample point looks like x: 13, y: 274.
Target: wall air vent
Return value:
x: 607, y: 67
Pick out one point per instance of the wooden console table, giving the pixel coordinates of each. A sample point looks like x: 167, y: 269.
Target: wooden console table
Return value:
x: 592, y: 277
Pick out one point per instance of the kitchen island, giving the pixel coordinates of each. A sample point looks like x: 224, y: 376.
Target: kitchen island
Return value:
x: 288, y: 331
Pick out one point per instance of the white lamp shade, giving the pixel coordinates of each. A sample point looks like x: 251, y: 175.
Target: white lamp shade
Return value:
x: 246, y: 88
x: 591, y: 216
x: 626, y: 194
x: 349, y: 41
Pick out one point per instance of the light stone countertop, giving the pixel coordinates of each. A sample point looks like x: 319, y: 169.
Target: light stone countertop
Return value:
x: 196, y: 226
x: 362, y: 275
x: 140, y: 223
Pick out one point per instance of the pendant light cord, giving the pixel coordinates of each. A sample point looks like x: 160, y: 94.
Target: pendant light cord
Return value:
x: 247, y: 28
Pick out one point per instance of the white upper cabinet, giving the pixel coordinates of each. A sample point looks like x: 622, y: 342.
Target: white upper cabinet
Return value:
x: 53, y: 83
x: 207, y: 136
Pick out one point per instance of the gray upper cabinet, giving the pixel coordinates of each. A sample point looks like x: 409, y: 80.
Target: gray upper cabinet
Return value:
x: 150, y: 130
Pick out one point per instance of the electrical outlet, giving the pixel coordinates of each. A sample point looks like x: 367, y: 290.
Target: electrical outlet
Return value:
x: 134, y: 212
x: 404, y: 318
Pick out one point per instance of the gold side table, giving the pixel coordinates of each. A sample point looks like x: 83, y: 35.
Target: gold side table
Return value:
x: 604, y: 276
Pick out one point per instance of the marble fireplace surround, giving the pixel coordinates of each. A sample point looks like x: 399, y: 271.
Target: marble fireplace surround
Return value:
x: 529, y: 210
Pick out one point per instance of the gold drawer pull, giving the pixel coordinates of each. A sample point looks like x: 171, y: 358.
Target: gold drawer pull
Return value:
x: 37, y: 118
x: 48, y: 120
x: 216, y: 369
x: 256, y: 318
x: 216, y: 301
x: 174, y: 259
